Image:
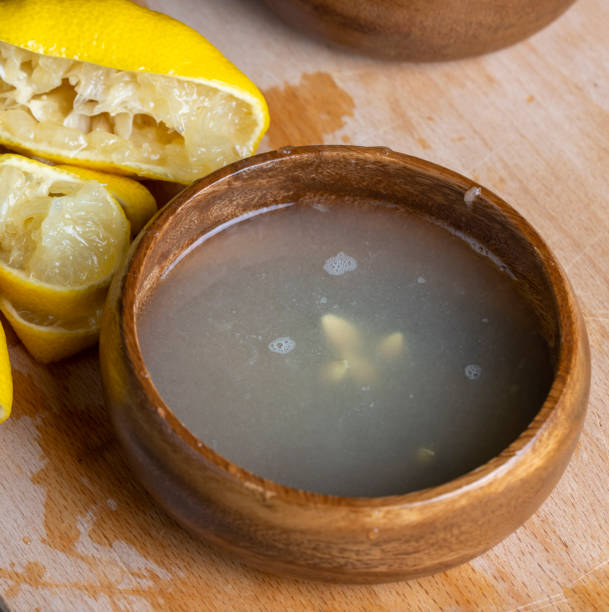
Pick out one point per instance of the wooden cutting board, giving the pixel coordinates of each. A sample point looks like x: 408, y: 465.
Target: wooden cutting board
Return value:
x: 531, y: 123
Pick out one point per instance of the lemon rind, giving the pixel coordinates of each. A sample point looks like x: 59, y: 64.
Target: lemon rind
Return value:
x: 6, y: 379
x: 48, y: 343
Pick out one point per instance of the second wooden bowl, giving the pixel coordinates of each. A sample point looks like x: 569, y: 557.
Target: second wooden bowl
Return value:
x: 420, y: 30
x: 294, y: 532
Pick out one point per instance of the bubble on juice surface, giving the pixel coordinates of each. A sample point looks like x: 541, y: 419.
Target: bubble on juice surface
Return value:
x: 282, y: 345
x: 473, y: 371
x: 339, y: 264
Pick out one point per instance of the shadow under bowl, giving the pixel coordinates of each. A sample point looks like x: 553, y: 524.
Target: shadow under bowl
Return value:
x: 420, y: 30
x: 285, y: 530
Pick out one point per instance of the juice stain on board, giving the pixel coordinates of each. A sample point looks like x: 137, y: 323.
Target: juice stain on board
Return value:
x: 308, y: 111
x: 80, y: 450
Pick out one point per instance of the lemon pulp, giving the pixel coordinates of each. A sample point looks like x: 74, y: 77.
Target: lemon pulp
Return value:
x: 149, y: 124
x: 59, y: 231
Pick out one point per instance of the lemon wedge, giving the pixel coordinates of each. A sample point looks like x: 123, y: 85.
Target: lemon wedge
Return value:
x: 6, y: 380
x: 48, y: 338
x: 61, y: 238
x: 111, y: 85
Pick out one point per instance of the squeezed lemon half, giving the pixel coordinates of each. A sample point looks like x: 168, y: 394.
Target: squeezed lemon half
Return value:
x: 62, y: 236
x: 112, y: 85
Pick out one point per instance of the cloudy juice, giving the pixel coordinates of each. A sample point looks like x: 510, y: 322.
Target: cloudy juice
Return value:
x: 347, y: 350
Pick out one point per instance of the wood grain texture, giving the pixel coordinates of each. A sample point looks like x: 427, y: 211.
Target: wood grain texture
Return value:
x: 529, y: 122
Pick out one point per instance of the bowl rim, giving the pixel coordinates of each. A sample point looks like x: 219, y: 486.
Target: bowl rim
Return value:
x: 524, y: 449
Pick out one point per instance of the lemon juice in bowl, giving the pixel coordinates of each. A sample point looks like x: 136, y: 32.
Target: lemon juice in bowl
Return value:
x: 355, y: 351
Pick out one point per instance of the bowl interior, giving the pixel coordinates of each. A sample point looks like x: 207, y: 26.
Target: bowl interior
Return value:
x: 351, y: 174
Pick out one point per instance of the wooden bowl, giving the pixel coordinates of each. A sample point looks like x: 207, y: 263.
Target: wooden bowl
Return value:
x: 285, y: 530
x: 420, y: 30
